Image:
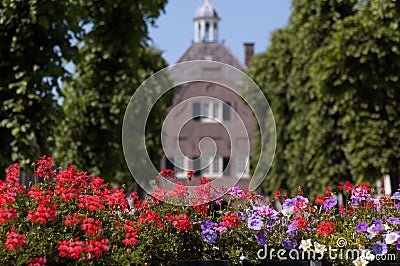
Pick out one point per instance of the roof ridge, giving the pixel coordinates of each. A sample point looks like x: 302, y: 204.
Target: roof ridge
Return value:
x: 197, y: 51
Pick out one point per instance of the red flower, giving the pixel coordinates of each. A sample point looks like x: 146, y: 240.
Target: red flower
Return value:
x: 204, y: 180
x: 90, y: 202
x: 74, y: 219
x: 168, y: 173
x: 43, y: 213
x: 150, y: 216
x: 278, y: 193
x: 115, y: 198
x: 14, y: 240
x: 168, y: 217
x: 7, y: 214
x: 13, y: 174
x: 132, y: 232
x: 160, y: 193
x: 134, y: 196
x: 300, y: 222
x: 179, y: 191
x: 91, y: 226
x: 327, y: 192
x: 202, y: 209
x: 320, y: 199
x: 75, y: 249
x: 95, y: 248
x: 37, y: 261
x: 325, y: 228
x: 43, y: 167
x: 182, y: 222
x: 342, y: 209
x: 190, y: 175
x: 348, y: 186
x: 230, y: 220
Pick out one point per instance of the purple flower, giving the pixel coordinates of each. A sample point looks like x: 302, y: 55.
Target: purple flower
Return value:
x: 396, y: 196
x: 255, y: 222
x: 359, y: 195
x: 362, y: 227
x: 219, y: 201
x: 266, y: 211
x: 398, y: 244
x: 289, y: 205
x: 241, y: 215
x: 273, y: 222
x: 288, y: 244
x: 261, y: 239
x: 376, y: 226
x: 236, y: 192
x: 220, y: 228
x: 207, y: 225
x: 380, y: 248
x: 330, y: 203
x: 209, y: 235
x: 393, y: 220
x: 292, y: 230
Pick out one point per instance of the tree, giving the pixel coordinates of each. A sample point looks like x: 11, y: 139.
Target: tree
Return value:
x: 338, y: 96
x: 310, y: 148
x: 108, y: 44
x: 34, y: 43
x: 271, y: 71
x: 114, y: 59
x: 360, y: 67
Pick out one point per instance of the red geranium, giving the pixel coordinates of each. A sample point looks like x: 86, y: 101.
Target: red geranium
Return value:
x: 325, y: 228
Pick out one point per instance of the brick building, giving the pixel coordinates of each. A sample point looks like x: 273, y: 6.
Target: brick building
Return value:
x: 213, y: 107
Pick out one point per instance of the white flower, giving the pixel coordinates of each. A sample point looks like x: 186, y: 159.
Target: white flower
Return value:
x: 371, y: 234
x: 360, y: 262
x: 286, y: 213
x: 306, y: 244
x: 367, y: 255
x: 391, y: 238
x: 319, y: 248
x: 385, y: 227
x: 242, y: 257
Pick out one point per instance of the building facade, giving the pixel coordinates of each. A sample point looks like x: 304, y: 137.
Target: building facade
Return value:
x: 204, y: 141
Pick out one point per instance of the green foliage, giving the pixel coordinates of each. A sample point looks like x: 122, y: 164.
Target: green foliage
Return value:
x: 34, y: 42
x: 331, y: 76
x: 361, y: 67
x: 105, y: 44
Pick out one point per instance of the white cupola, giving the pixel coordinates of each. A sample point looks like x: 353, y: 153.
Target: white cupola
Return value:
x: 206, y: 24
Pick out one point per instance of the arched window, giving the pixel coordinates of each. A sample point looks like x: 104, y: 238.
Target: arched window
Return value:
x: 207, y: 32
x: 215, y: 32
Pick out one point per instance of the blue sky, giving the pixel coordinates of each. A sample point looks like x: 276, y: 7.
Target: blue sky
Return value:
x: 241, y: 21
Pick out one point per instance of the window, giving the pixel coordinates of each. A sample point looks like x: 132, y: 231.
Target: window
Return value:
x: 207, y: 32
x: 214, y: 169
x: 242, y: 166
x: 211, y: 111
x: 180, y: 166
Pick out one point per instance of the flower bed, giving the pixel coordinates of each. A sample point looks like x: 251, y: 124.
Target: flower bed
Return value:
x: 72, y: 218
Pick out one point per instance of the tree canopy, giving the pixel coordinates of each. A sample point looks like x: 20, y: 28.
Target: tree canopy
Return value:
x: 68, y: 69
x: 331, y: 76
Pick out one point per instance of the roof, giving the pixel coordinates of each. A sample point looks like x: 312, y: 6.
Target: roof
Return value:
x: 211, y: 51
x: 206, y: 11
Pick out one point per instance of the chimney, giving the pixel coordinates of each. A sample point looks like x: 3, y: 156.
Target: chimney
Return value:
x: 248, y: 52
